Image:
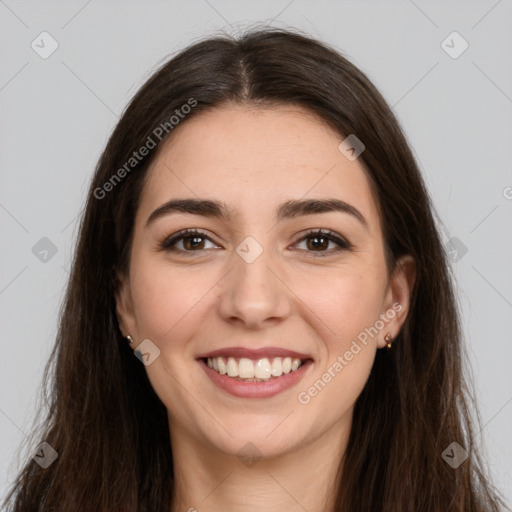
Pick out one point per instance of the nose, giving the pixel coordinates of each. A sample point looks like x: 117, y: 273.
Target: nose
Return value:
x: 255, y: 294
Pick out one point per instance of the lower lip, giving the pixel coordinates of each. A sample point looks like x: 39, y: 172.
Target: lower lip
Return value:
x: 264, y: 389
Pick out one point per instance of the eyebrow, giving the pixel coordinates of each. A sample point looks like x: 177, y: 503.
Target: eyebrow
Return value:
x: 287, y: 210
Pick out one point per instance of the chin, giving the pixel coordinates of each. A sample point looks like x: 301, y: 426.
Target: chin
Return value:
x: 262, y: 438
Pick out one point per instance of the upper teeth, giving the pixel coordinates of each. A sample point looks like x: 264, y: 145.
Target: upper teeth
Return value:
x: 248, y: 369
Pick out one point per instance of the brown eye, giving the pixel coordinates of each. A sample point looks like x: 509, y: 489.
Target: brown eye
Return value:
x: 318, y: 241
x: 193, y: 242
x: 190, y: 240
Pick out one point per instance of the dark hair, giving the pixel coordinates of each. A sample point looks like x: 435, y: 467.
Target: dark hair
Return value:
x: 104, y: 419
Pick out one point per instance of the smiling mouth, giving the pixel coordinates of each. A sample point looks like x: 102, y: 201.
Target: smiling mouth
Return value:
x: 253, y: 370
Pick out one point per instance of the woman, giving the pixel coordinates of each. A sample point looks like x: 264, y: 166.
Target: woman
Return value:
x: 258, y: 234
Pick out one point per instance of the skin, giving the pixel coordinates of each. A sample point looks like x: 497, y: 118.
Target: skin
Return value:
x: 293, y: 296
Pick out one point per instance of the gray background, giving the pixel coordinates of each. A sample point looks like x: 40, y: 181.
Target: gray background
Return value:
x: 57, y: 112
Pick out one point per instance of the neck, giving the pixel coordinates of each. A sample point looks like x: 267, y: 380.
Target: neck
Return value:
x: 208, y: 480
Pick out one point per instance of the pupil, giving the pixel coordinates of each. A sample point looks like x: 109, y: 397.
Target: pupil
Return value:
x: 194, y: 240
x: 315, y: 240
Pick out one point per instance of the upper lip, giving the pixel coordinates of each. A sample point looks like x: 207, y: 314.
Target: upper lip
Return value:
x: 256, y: 354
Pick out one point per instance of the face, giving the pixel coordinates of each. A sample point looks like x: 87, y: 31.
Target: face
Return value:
x: 259, y: 284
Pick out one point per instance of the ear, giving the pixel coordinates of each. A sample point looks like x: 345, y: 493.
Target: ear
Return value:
x: 398, y: 296
x: 124, y: 308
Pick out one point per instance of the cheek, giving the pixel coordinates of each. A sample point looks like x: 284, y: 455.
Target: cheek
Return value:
x: 167, y: 300
x: 344, y: 301
x: 346, y: 304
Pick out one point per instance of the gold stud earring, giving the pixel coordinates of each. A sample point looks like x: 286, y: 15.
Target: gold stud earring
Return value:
x: 389, y: 340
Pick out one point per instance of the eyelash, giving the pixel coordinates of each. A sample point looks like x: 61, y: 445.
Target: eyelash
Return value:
x: 343, y: 245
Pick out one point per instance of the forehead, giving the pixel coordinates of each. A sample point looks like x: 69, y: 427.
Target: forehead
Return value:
x: 252, y: 157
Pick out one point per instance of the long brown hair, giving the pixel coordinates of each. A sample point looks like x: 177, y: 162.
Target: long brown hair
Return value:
x: 105, y: 421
